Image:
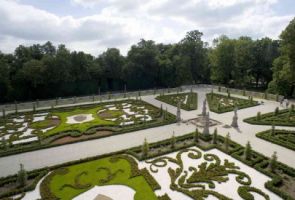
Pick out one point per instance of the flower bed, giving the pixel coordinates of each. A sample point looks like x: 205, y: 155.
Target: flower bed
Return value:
x: 188, y: 101
x: 53, y: 124
x: 78, y: 172
x: 281, y: 137
x: 221, y: 103
x: 284, y: 117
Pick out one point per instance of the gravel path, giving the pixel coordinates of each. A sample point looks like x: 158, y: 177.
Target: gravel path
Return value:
x: 47, y: 157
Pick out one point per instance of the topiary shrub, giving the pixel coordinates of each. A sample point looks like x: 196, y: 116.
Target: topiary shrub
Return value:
x: 276, y: 112
x: 258, y: 116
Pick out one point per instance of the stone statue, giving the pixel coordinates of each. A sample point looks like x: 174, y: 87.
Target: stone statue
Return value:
x: 235, y: 119
x: 206, y: 126
x: 178, y: 114
x: 204, y: 111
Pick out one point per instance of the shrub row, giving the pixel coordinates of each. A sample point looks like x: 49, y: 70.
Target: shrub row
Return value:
x: 192, y: 101
x: 242, y: 103
x: 260, y: 162
x: 34, y: 175
x: 273, y: 185
x: 266, y: 135
x: 116, y: 131
x: 271, y: 119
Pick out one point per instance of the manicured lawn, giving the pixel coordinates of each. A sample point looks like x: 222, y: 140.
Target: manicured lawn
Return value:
x: 281, y: 137
x: 64, y: 126
x: 93, y: 177
x: 189, y: 101
x: 77, y: 120
x: 222, y: 103
x: 57, y: 126
x: 284, y: 117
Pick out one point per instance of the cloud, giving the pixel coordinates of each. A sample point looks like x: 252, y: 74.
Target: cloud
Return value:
x: 34, y: 24
x: 86, y: 3
x: 122, y: 23
x: 26, y: 23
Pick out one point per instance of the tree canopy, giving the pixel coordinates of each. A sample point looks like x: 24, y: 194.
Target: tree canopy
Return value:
x: 46, y: 71
x: 284, y: 66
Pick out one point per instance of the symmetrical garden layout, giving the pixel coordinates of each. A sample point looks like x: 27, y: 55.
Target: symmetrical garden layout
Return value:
x: 188, y: 101
x: 189, y: 168
x: 221, y: 103
x: 194, y: 166
x: 285, y: 117
x: 281, y: 137
x: 65, y: 125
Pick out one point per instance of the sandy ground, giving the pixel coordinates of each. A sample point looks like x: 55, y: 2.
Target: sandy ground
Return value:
x: 79, y: 119
x: 228, y: 188
x: 115, y: 192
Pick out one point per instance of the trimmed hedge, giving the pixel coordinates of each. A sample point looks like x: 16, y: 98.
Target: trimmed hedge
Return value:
x: 244, y: 192
x: 280, y: 137
x: 169, y: 119
x: 172, y: 99
x: 279, y: 119
x: 164, y: 197
x: 215, y: 106
x: 33, y: 175
x: 260, y: 162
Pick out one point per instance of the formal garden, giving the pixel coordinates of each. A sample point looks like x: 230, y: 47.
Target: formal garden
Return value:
x: 188, y: 101
x: 37, y: 129
x: 191, y: 166
x: 285, y: 117
x: 221, y: 103
x: 53, y: 95
x: 71, y: 182
x: 284, y: 138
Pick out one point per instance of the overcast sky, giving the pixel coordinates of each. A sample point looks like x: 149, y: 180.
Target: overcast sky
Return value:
x: 95, y: 25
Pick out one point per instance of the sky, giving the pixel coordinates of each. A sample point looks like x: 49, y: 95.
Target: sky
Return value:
x: 93, y: 26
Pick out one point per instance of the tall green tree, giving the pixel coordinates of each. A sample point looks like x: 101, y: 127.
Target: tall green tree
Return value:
x: 284, y: 67
x: 112, y: 63
x: 5, y: 85
x: 222, y: 60
x: 194, y: 50
x: 49, y: 49
x: 141, y: 69
x: 265, y: 52
x: 244, y: 61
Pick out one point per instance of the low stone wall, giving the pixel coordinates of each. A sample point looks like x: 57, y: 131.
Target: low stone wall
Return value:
x: 119, y: 95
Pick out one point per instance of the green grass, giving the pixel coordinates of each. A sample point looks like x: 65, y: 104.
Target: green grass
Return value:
x: 98, y: 121
x: 138, y: 183
x: 41, y: 124
x: 281, y: 137
x: 57, y: 120
x: 283, y: 118
x: 64, y: 126
x: 173, y: 99
x: 215, y: 105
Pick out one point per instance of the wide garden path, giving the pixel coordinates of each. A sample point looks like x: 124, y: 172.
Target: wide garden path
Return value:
x: 57, y: 155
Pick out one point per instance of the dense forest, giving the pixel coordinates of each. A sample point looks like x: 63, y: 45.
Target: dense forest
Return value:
x: 46, y: 71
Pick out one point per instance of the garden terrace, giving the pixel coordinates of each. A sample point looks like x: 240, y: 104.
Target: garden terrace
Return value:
x: 282, y: 179
x: 281, y: 137
x: 188, y: 101
x: 190, y: 170
x: 71, y: 182
x: 284, y: 117
x: 34, y: 130
x: 220, y: 103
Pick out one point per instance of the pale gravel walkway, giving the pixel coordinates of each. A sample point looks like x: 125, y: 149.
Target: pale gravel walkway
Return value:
x: 47, y: 157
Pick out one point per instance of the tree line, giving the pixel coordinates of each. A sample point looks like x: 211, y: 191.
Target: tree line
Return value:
x: 45, y: 71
